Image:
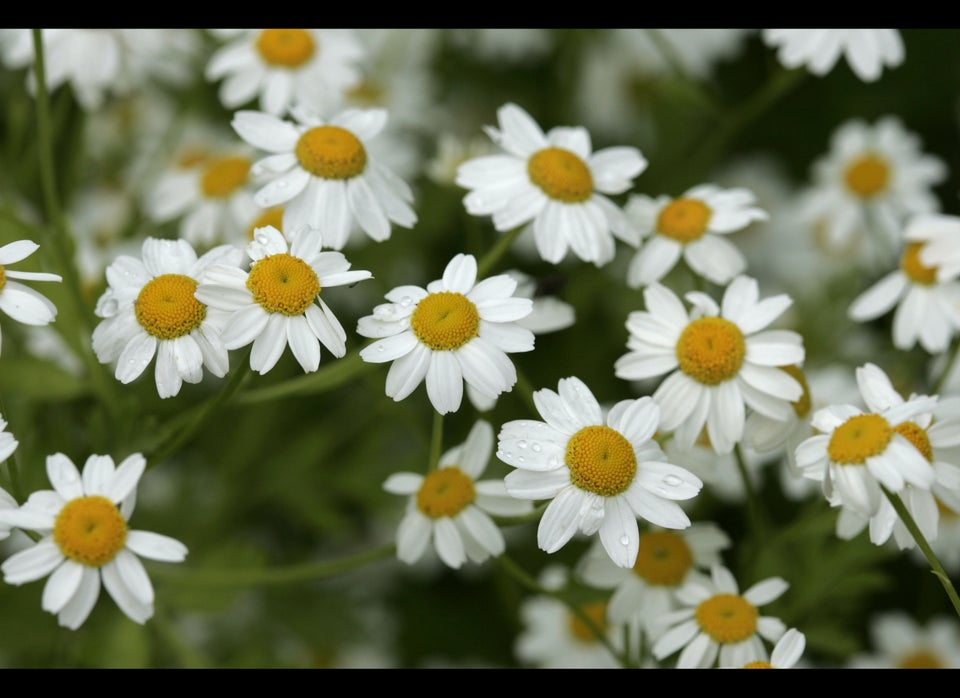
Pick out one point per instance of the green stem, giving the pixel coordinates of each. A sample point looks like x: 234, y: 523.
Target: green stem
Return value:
x: 693, y: 87
x: 436, y: 440
x: 525, y: 390
x: 924, y: 546
x: 494, y: 254
x: 326, y: 378
x: 753, y: 505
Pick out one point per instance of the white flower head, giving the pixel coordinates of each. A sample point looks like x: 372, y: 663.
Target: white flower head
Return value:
x: 555, y: 182
x: 720, y: 622
x: 8, y: 444
x: 601, y: 473
x: 456, y: 329
x: 279, y: 300
x: 900, y: 642
x: 868, y: 51
x: 719, y: 360
x: 940, y: 235
x: 324, y: 174
x: 150, y: 310
x: 691, y: 226
x: 20, y: 302
x: 86, y: 540
x: 450, y: 508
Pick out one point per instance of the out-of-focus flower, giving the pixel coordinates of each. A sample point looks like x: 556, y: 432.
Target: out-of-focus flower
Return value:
x: 868, y: 51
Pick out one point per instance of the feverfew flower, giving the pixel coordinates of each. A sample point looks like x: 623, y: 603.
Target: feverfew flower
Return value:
x: 449, y: 507
x: 900, y: 642
x: 719, y: 360
x: 720, y: 621
x: 868, y: 51
x: 324, y: 174
x: 285, y: 67
x: 20, y: 302
x: 86, y: 540
x: 690, y: 226
x: 456, y: 329
x: 555, y: 182
x: 277, y: 302
x: 600, y: 473
x: 855, y: 452
x: 149, y: 309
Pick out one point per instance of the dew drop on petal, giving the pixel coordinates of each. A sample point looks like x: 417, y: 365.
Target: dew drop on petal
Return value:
x: 624, y: 540
x: 521, y: 444
x: 553, y: 462
x: 535, y: 447
x: 672, y: 480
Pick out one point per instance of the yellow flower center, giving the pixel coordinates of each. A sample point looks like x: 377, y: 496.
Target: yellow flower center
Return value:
x: 282, y: 283
x: 759, y: 664
x: 286, y: 48
x: 596, y: 611
x: 223, y: 176
x: 727, y: 618
x: 916, y: 270
x: 921, y: 659
x: 684, y: 220
x: 331, y: 152
x: 664, y: 558
x: 858, y: 438
x: 367, y: 92
x: 867, y: 176
x: 167, y: 308
x: 601, y: 460
x: 192, y: 157
x: 3, y: 277
x: 945, y: 511
x: 90, y: 530
x: 710, y: 350
x: 802, y: 406
x: 272, y: 217
x: 561, y: 175
x: 917, y: 436
x: 445, y: 320
x: 445, y: 492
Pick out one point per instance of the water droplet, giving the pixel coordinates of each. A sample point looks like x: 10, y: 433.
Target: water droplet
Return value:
x: 624, y: 540
x: 672, y: 480
x: 520, y: 459
x: 521, y: 444
x: 281, y: 184
x: 406, y: 301
x: 553, y: 462
x: 379, y: 347
x: 536, y: 447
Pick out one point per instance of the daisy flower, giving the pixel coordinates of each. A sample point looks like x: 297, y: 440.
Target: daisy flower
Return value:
x: 690, y: 226
x: 149, y: 309
x: 666, y: 560
x: 719, y: 621
x: 278, y: 302
x: 601, y: 474
x: 940, y: 235
x: 283, y: 67
x: 555, y: 182
x: 786, y: 653
x: 325, y: 175
x: 455, y: 330
x: 86, y: 540
x: 874, y: 176
x: 451, y: 508
x: 855, y: 452
x: 868, y: 51
x: 927, y: 303
x: 900, y: 642
x: 20, y: 302
x: 719, y: 358
x: 8, y: 444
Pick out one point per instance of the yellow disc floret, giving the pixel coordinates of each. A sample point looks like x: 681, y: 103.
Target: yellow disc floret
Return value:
x: 867, y: 176
x: 367, y: 92
x: 601, y: 460
x: 921, y: 659
x: 727, y: 618
x: 167, y: 308
x: 331, y: 152
x: 664, y: 558
x: 445, y: 492
x: 3, y: 277
x: 801, y: 407
x: 858, y: 438
x: 759, y: 664
x: 272, y: 217
x: 282, y: 283
x: 223, y: 176
x: 917, y: 436
x: 286, y: 48
x: 596, y: 611
x: 711, y: 350
x: 561, y: 175
x: 684, y: 220
x: 445, y: 320
x: 90, y: 530
x: 917, y: 271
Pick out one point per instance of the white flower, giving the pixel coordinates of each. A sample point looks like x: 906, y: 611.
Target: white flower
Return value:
x: 868, y: 51
x: 451, y: 508
x: 900, y: 642
x: 325, y: 175
x: 455, y: 330
x: 855, y: 452
x: 556, y: 181
x: 720, y: 621
x: 690, y: 226
x: 149, y: 309
x: 86, y: 540
x: 786, y: 653
x: 20, y: 302
x: 600, y: 473
x: 285, y: 67
x: 719, y: 358
x: 8, y: 444
x: 278, y: 302
x: 940, y: 234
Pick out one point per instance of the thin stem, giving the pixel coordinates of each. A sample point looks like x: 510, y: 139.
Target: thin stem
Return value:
x: 694, y: 87
x: 753, y: 505
x: 436, y: 440
x: 525, y: 389
x: 924, y: 546
x: 494, y: 254
x: 13, y: 468
x: 326, y: 378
